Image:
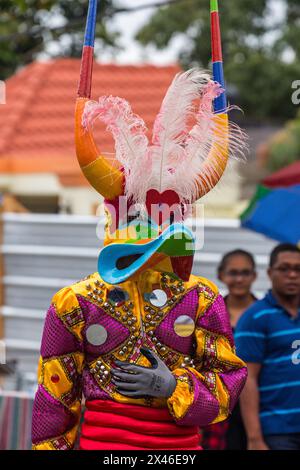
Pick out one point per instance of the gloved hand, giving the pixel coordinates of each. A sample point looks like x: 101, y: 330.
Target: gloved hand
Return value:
x: 136, y: 381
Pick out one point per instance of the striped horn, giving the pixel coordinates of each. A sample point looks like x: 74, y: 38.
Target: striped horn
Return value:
x: 218, y: 158
x: 107, y: 180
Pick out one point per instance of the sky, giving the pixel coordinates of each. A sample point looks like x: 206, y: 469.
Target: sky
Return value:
x: 129, y: 23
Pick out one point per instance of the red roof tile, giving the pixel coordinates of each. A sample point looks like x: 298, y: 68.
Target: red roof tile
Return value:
x: 37, y: 123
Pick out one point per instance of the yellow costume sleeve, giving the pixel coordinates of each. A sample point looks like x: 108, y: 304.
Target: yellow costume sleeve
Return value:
x: 207, y: 392
x: 57, y: 403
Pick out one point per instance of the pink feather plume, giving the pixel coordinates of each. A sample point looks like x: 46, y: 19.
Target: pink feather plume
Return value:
x: 183, y: 134
x: 129, y: 132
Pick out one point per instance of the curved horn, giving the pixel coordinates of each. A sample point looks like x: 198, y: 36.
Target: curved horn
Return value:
x: 217, y: 160
x: 106, y: 179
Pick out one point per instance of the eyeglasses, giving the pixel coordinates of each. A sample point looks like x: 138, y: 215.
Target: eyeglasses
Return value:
x: 288, y: 269
x: 243, y: 273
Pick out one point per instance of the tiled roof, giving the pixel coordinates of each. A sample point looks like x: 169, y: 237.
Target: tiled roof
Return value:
x: 37, y: 122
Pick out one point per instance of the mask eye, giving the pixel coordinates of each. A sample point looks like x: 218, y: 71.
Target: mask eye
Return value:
x: 125, y: 261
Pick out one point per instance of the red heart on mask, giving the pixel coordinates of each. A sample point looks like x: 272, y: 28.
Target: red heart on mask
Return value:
x: 160, y: 206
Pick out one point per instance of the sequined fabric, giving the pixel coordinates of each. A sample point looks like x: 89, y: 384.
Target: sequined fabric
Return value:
x: 91, y: 388
x: 216, y: 319
x: 116, y: 332
x: 56, y: 339
x: 209, y: 375
x: 234, y: 381
x: 50, y: 417
x: 165, y: 331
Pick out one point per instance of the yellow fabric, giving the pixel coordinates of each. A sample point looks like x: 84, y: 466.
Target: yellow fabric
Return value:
x: 65, y: 302
x: 206, y: 297
x: 182, y: 397
x: 52, y: 367
x: 46, y: 445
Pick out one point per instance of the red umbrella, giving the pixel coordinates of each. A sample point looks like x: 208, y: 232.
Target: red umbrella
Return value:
x: 287, y: 176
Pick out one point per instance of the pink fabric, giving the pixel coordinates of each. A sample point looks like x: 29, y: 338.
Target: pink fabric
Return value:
x: 234, y: 381
x: 91, y: 389
x: 57, y: 340
x: 117, y: 333
x: 49, y: 417
x: 216, y: 319
x: 165, y: 331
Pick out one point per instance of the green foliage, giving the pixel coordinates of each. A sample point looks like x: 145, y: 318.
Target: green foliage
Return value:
x: 284, y: 148
x: 254, y: 49
x: 27, y: 27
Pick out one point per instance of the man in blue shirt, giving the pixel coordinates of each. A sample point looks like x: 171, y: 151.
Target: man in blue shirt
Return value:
x: 268, y: 339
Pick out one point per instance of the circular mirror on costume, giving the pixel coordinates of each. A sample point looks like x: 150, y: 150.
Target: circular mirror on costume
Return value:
x: 184, y: 326
x: 96, y: 335
x: 158, y: 298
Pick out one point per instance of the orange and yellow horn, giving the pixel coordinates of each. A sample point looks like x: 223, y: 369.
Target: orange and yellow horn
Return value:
x: 106, y: 179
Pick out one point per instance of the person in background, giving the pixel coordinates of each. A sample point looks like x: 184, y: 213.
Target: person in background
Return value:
x: 267, y: 338
x: 237, y: 271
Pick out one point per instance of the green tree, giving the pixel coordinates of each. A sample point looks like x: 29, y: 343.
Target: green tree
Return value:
x: 284, y: 147
x: 261, y: 58
x: 27, y: 27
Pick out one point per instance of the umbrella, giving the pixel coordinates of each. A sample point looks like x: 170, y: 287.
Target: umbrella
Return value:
x: 287, y: 176
x: 275, y: 214
x: 274, y: 210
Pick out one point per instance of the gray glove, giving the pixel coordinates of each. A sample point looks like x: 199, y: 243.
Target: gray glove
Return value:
x: 136, y: 381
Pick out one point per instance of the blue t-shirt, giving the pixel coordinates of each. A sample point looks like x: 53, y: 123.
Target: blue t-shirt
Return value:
x: 267, y: 334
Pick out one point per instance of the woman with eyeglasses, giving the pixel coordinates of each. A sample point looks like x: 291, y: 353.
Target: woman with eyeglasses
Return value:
x: 237, y: 271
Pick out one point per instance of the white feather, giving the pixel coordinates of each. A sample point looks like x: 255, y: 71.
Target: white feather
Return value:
x: 171, y: 125
x: 129, y: 132
x: 183, y: 134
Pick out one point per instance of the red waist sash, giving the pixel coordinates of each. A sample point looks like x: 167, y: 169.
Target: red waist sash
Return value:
x: 116, y: 426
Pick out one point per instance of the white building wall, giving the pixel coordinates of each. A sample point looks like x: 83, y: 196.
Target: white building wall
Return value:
x: 222, y: 201
x: 31, y: 184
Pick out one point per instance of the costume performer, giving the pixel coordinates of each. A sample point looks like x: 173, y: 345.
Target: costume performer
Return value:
x: 148, y: 344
